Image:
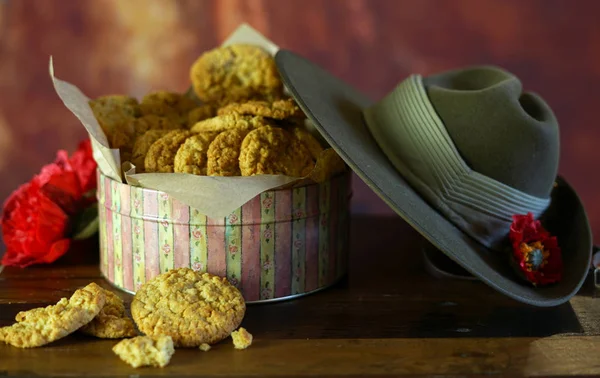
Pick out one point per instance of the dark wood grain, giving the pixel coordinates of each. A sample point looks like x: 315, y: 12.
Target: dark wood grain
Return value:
x: 134, y: 46
x: 388, y: 317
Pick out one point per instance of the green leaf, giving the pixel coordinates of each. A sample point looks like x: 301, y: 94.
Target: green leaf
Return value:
x: 86, y: 223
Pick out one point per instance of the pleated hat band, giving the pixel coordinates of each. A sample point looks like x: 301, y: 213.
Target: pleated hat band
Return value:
x: 411, y: 134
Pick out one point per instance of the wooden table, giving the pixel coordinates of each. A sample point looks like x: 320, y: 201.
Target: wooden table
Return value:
x: 388, y: 318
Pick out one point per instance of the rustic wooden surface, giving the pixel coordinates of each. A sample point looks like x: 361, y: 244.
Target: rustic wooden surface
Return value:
x: 387, y: 318
x: 134, y: 46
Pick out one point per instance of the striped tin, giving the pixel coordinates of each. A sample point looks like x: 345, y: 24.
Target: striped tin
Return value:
x: 279, y: 245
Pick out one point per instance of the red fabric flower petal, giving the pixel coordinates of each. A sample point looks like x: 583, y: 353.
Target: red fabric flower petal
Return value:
x: 535, y: 252
x: 84, y: 165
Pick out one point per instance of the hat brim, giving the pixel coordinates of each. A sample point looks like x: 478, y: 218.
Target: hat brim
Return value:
x: 336, y: 108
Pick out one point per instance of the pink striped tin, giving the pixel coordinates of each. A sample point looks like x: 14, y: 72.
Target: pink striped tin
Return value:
x: 279, y: 245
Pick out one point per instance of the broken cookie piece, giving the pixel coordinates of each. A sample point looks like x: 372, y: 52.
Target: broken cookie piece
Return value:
x: 145, y: 351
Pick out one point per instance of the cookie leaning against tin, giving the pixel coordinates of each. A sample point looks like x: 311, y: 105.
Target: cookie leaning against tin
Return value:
x: 161, y: 155
x: 41, y: 326
x: 235, y: 73
x: 191, y: 307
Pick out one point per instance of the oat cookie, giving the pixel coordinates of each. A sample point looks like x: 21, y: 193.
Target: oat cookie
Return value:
x: 224, y: 152
x: 175, y: 106
x: 41, y: 326
x: 200, y: 113
x: 124, y: 138
x: 308, y: 140
x: 142, y: 145
x: 114, y: 112
x: 229, y: 121
x: 191, y: 307
x: 271, y: 150
x: 111, y: 322
x: 191, y: 156
x: 161, y: 155
x: 235, y: 73
x: 328, y: 164
x: 242, y: 339
x: 278, y: 109
x: 145, y: 351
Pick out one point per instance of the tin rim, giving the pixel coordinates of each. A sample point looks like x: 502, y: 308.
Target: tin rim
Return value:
x: 263, y: 301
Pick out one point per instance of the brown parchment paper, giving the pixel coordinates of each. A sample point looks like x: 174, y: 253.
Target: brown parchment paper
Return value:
x: 213, y: 196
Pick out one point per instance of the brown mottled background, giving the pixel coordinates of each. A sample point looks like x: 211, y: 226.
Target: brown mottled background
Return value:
x: 134, y: 46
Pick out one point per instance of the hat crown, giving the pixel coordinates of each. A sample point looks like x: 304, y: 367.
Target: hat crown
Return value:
x: 500, y: 131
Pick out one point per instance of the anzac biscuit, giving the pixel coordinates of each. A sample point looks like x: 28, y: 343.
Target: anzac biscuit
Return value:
x: 172, y: 105
x: 328, y: 164
x: 161, y: 155
x: 274, y: 151
x: 279, y: 109
x: 142, y: 145
x: 114, y: 112
x: 242, y: 339
x: 111, y: 322
x: 308, y: 140
x: 191, y: 156
x: 229, y: 121
x: 224, y: 152
x: 145, y: 351
x: 41, y: 326
x: 235, y: 73
x: 200, y: 113
x: 191, y: 307
x: 124, y: 138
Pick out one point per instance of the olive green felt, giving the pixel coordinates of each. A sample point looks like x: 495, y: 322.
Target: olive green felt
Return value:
x: 487, y: 114
x: 336, y: 110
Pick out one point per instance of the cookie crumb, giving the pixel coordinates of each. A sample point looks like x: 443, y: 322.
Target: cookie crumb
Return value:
x: 145, y: 351
x: 242, y: 339
x: 204, y: 347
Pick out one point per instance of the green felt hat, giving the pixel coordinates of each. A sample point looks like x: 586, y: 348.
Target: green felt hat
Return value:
x: 457, y: 155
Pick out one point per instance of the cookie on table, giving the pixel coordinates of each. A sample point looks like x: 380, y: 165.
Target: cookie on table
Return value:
x: 175, y: 106
x: 145, y: 351
x: 141, y: 146
x: 191, y: 156
x: 191, y: 307
x: 161, y: 154
x: 235, y: 73
x: 278, y: 109
x: 242, y: 339
x: 200, y: 113
x: 224, y: 152
x: 124, y: 138
x: 114, y: 112
x: 111, y: 322
x: 41, y: 326
x: 229, y: 121
x: 274, y: 151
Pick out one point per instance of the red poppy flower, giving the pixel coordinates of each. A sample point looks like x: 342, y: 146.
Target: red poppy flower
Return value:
x: 41, y: 216
x: 535, y: 252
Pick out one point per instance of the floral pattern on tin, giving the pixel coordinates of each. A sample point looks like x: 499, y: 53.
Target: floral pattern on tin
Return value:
x: 267, y: 265
x: 233, y: 249
x: 164, y: 196
x: 165, y: 222
x: 267, y: 202
x: 233, y: 280
x: 197, y: 266
x: 166, y: 249
x: 267, y: 233
x: 267, y: 292
x: 233, y: 219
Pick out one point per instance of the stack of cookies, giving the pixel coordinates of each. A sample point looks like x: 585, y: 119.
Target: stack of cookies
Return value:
x: 236, y: 122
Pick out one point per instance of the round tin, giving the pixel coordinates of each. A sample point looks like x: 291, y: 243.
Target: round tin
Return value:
x: 280, y: 245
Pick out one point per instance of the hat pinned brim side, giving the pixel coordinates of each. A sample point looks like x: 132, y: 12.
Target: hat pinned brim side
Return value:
x: 336, y: 109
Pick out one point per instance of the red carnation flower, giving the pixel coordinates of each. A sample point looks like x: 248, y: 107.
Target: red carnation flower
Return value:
x: 535, y: 252
x: 41, y: 216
